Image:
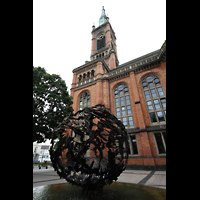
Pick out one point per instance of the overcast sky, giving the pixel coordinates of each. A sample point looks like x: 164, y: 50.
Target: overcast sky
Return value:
x: 62, y: 31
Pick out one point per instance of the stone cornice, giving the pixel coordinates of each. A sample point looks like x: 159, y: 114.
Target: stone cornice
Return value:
x: 137, y: 65
x: 84, y: 84
x: 83, y: 66
x: 100, y: 50
x: 160, y: 127
x: 99, y: 27
x: 162, y: 53
x: 137, y: 61
x: 90, y: 65
x: 86, y: 69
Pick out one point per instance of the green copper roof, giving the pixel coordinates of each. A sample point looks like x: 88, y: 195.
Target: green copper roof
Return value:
x: 103, y: 17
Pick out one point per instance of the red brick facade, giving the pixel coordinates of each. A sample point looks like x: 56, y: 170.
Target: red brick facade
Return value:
x: 102, y: 75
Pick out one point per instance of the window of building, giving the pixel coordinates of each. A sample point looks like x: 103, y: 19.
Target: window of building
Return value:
x: 160, y: 138
x: 101, y: 42
x: 155, y: 98
x: 84, y: 100
x: 112, y: 45
x: 92, y: 73
x: 133, y: 145
x: 123, y: 105
x: 84, y: 76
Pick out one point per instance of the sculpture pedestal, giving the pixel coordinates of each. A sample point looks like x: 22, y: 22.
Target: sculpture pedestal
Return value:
x: 116, y: 191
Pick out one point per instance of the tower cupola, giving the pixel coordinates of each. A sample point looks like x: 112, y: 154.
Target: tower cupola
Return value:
x: 103, y: 17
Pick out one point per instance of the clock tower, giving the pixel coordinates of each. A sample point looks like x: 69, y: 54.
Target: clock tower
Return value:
x: 104, y: 42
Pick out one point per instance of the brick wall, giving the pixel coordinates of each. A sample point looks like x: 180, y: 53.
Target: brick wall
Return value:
x: 102, y: 91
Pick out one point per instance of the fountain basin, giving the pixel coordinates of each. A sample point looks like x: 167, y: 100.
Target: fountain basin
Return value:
x: 115, y: 191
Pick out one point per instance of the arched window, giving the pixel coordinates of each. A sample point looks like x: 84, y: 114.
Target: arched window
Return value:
x: 83, y: 76
x: 80, y: 78
x: 101, y: 41
x: 88, y: 75
x: 155, y: 98
x: 124, y: 113
x: 123, y: 105
x: 92, y: 73
x: 84, y: 100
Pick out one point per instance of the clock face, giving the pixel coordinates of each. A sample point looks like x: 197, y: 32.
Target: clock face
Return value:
x: 100, y: 37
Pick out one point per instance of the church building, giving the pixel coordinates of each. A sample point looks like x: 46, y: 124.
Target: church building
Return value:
x: 135, y: 92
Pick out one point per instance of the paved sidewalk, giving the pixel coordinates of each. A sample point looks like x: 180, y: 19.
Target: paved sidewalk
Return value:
x: 150, y: 178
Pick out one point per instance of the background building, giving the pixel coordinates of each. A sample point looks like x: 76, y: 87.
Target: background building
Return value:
x: 40, y: 152
x: 134, y: 91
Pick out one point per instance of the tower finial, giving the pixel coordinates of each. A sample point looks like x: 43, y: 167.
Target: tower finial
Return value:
x: 102, y: 19
x: 93, y: 27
